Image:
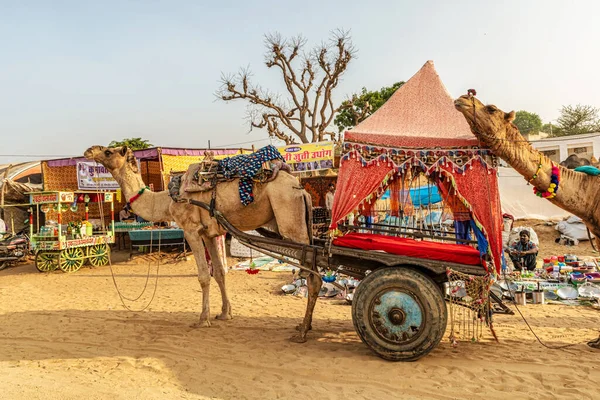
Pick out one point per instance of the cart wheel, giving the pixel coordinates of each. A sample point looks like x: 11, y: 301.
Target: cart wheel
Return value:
x: 71, y: 259
x: 46, y: 261
x: 99, y: 255
x: 399, y: 313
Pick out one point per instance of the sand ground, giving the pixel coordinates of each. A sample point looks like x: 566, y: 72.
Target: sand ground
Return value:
x: 68, y: 336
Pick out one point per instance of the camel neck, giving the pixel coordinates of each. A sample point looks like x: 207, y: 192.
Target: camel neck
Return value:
x: 576, y: 191
x: 152, y: 206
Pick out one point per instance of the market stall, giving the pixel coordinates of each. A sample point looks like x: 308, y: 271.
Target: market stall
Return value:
x: 566, y: 278
x: 156, y: 237
x: 155, y: 165
x: 123, y: 228
x: 69, y: 245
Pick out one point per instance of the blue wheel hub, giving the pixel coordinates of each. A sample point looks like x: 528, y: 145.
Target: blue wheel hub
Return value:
x: 396, y: 316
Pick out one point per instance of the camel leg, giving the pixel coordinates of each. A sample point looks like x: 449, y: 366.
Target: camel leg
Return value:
x: 195, y: 242
x: 294, y: 228
x: 314, y: 283
x: 219, y: 275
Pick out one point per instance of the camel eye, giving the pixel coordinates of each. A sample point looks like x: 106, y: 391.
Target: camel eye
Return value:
x: 491, y: 109
x: 107, y: 153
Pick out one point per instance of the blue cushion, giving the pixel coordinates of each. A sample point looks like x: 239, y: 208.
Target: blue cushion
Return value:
x: 588, y: 169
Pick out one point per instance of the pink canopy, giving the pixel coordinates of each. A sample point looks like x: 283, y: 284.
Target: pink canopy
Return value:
x: 419, y: 126
x: 419, y: 114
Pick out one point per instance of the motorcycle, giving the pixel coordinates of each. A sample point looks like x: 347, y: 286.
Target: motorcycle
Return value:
x: 13, y: 248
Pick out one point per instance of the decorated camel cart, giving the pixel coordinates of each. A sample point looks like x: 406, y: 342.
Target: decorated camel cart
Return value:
x: 409, y: 264
x: 69, y: 246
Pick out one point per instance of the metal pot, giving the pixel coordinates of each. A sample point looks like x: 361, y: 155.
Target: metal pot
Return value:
x: 520, y: 298
x: 538, y: 297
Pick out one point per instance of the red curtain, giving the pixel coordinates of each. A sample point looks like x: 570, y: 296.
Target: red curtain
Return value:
x: 355, y: 182
x: 395, y: 188
x: 478, y: 187
x: 480, y: 190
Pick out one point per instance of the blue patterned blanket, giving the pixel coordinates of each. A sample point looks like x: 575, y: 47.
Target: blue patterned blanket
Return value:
x: 246, y: 166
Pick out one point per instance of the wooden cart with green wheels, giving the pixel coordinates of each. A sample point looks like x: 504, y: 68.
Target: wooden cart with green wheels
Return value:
x: 69, y: 251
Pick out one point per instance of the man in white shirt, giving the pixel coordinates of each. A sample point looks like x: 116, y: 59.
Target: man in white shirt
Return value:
x: 124, y: 214
x: 329, y: 198
x: 2, y: 226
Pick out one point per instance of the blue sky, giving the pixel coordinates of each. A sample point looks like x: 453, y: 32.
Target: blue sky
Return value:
x: 77, y: 73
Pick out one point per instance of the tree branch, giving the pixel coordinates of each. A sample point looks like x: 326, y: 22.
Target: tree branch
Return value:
x: 307, y: 109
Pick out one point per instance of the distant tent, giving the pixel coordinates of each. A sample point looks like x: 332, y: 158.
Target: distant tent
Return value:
x: 421, y: 196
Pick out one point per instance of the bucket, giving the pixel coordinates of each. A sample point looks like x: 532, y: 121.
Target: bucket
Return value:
x: 538, y: 297
x: 520, y: 298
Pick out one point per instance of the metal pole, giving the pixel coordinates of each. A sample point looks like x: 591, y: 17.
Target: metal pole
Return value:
x: 3, y: 190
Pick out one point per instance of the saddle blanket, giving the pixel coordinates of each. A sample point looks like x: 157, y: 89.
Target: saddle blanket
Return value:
x: 246, y: 166
x: 203, y: 176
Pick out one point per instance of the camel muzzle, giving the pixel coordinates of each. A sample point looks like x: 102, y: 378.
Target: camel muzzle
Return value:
x: 90, y: 152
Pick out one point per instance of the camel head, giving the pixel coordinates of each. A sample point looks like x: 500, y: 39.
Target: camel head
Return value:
x: 488, y: 123
x: 113, y: 158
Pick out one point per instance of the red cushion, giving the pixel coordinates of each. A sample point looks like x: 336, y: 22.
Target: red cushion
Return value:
x: 412, y: 248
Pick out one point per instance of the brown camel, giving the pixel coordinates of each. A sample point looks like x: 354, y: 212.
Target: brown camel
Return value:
x: 281, y: 204
x: 574, y: 161
x: 577, y: 192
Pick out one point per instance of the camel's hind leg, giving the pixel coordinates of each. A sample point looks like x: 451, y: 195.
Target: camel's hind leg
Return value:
x: 195, y: 242
x: 219, y: 275
x: 314, y: 287
x: 291, y: 217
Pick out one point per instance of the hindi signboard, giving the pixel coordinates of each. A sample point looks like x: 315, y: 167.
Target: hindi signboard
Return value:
x: 94, y: 176
x: 51, y: 197
x: 308, y: 156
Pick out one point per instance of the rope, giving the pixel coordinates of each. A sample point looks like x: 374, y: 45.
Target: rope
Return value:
x: 122, y: 297
x: 529, y: 326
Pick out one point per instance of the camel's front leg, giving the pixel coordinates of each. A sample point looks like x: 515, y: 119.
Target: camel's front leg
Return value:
x: 219, y: 275
x: 314, y: 283
x: 195, y: 242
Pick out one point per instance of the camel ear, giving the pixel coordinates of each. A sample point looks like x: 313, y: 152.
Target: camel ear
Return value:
x: 123, y: 150
x: 509, y: 117
x: 132, y: 162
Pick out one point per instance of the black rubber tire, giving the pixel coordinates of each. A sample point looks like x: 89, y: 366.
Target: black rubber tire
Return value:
x: 420, y: 288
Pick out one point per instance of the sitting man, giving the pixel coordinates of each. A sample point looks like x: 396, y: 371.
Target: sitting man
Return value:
x: 125, y: 213
x: 523, y: 252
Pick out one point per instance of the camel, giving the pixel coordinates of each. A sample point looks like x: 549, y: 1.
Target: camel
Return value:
x: 280, y: 204
x: 574, y: 161
x: 578, y: 193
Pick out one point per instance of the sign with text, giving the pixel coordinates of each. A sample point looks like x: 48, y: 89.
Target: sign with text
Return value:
x: 308, y: 156
x: 94, y: 176
x: 51, y: 197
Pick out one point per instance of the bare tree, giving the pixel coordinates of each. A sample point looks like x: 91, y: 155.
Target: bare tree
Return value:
x: 310, y: 78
